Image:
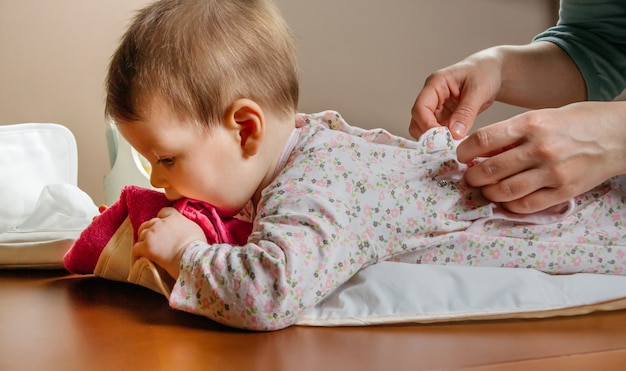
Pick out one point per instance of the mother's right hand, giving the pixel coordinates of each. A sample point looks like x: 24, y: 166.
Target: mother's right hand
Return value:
x: 542, y: 158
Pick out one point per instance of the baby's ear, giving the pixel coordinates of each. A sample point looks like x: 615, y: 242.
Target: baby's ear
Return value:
x: 246, y: 118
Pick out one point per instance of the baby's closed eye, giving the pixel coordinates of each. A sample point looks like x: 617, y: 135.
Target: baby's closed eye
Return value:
x: 166, y: 161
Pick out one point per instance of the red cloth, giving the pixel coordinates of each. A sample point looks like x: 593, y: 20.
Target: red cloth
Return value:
x: 142, y: 204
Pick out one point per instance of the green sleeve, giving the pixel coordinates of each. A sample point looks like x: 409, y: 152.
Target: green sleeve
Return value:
x: 593, y: 33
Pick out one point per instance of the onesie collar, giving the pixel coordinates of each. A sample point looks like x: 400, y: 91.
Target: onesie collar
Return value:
x: 286, y: 152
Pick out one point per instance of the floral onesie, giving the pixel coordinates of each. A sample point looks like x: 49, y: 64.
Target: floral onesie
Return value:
x: 344, y: 198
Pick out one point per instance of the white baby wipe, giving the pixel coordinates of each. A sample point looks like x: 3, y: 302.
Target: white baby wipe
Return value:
x: 42, y: 211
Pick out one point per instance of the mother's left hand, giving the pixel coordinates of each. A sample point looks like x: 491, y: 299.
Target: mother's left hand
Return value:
x: 543, y: 158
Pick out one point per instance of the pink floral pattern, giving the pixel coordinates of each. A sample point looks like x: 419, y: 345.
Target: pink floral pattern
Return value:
x: 348, y: 198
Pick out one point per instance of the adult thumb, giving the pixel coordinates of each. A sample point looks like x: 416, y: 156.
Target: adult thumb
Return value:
x: 462, y: 120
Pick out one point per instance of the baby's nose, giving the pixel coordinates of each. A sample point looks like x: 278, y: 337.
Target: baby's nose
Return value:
x: 156, y: 180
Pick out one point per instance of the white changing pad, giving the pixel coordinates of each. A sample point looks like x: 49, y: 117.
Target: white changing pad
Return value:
x: 401, y: 293
x: 395, y: 293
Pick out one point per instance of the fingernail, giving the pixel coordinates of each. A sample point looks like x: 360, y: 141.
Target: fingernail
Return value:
x: 458, y: 128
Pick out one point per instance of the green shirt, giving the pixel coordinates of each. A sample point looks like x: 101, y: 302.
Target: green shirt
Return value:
x: 593, y: 33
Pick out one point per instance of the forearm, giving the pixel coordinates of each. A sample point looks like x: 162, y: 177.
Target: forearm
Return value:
x: 538, y: 75
x: 258, y: 286
x: 238, y: 286
x: 615, y: 138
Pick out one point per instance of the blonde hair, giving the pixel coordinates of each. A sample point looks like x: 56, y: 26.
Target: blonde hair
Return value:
x: 199, y: 56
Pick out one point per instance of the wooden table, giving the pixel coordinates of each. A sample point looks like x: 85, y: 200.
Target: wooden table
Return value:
x: 51, y: 320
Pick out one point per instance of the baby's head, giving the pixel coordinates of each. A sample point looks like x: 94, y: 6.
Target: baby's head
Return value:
x: 195, y: 85
x: 198, y: 56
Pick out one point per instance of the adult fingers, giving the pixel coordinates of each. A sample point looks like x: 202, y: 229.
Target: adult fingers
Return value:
x: 542, y: 199
x: 502, y: 165
x: 423, y: 113
x: 515, y: 187
x: 489, y: 140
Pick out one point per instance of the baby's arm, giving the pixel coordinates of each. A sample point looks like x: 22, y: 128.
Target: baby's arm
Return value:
x: 289, y: 264
x: 254, y: 286
x: 163, y: 239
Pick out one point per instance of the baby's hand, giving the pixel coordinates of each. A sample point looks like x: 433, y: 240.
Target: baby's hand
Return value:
x: 164, y: 239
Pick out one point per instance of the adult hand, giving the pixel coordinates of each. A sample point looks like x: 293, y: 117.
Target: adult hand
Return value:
x: 537, y: 75
x: 542, y: 158
x: 164, y: 239
x: 455, y: 95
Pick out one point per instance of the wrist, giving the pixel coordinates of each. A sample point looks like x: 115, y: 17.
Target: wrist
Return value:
x: 178, y: 258
x: 620, y: 124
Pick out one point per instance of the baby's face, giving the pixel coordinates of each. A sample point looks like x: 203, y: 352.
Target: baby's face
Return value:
x: 189, y: 161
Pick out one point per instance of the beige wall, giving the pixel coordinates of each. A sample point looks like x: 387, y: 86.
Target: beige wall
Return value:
x: 367, y: 59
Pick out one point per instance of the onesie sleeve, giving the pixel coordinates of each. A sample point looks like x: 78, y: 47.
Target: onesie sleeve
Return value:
x: 593, y: 33
x: 289, y: 264
x: 238, y: 286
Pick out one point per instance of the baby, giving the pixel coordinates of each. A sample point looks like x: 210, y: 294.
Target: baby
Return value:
x: 207, y: 92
